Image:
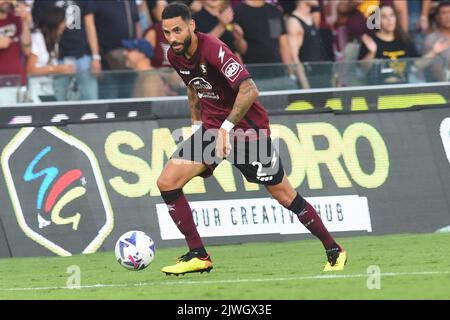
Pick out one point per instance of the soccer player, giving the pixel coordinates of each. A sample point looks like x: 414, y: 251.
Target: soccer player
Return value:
x: 223, y: 100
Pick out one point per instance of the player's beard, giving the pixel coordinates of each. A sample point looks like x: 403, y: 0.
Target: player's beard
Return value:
x: 186, y: 45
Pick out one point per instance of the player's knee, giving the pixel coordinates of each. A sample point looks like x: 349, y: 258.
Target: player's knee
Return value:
x: 284, y: 200
x: 297, y: 205
x: 165, y: 184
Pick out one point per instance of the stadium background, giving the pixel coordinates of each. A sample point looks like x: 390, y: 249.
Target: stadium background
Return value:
x: 374, y: 160
x: 393, y: 162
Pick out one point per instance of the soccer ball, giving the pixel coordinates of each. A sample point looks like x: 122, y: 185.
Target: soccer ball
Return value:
x: 135, y: 250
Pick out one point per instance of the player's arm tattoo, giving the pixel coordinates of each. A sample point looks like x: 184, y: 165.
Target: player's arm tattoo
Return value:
x: 194, y: 104
x: 248, y: 92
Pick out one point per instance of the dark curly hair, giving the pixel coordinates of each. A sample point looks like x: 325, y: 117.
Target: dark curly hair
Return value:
x: 177, y: 9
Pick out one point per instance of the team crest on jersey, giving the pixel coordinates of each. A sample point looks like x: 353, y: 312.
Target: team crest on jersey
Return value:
x: 203, y: 69
x: 232, y: 69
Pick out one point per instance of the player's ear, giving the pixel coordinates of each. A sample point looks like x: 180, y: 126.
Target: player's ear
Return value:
x: 192, y: 25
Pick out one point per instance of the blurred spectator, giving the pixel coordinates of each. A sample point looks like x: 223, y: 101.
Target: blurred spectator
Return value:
x: 155, y: 8
x: 355, y: 18
x: 357, y: 13
x: 145, y: 19
x: 324, y: 15
x: 260, y: 33
x: 155, y: 36
x: 287, y: 6
x: 215, y: 18
x: 417, y: 20
x: 307, y: 46
x: 74, y: 47
x: 392, y: 43
x: 15, y: 39
x: 43, y: 60
x: 327, y: 17
x: 433, y: 12
x: 138, y: 55
x: 235, y: 3
x: 261, y: 37
x: 442, y: 34
x: 195, y: 5
x: 328, y: 13
x: 114, y: 21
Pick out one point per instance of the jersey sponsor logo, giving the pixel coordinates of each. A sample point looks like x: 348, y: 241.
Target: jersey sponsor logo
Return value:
x: 200, y: 84
x: 203, y: 88
x: 185, y: 72
x: 208, y: 95
x: 232, y: 69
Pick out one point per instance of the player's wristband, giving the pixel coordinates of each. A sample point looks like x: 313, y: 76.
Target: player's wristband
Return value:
x: 227, y: 125
x: 197, y: 125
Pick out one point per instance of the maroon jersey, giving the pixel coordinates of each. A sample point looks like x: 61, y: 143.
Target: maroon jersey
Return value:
x: 11, y: 58
x: 216, y: 73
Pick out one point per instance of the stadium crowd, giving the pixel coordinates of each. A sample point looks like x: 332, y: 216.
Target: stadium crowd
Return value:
x: 78, y: 42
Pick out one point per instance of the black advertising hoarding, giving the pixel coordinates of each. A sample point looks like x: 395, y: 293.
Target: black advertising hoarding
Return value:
x: 438, y: 129
x: 77, y: 188
x: 4, y: 250
x: 334, y: 100
x: 387, y: 97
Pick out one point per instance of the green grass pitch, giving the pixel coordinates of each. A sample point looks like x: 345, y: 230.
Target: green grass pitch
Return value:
x: 412, y: 267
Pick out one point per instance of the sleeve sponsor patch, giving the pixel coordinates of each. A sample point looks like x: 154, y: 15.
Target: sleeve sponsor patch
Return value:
x: 232, y: 69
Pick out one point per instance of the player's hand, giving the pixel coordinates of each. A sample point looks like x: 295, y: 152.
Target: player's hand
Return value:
x: 223, y: 146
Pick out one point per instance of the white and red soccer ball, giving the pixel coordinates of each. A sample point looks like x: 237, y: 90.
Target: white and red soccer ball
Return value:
x: 135, y: 250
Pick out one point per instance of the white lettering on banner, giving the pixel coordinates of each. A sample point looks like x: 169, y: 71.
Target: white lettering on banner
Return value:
x: 56, y: 118
x: 445, y: 136
x: 266, y: 216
